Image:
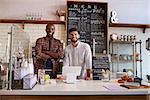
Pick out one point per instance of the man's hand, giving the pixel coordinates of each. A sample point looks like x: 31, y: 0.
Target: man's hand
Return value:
x: 51, y: 54
x: 46, y: 52
x: 87, y: 78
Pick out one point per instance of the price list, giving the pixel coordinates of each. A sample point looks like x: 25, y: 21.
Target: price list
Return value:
x: 99, y: 63
x: 90, y: 18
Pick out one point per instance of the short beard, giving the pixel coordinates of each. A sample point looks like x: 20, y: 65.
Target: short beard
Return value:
x: 50, y: 35
x: 74, y: 41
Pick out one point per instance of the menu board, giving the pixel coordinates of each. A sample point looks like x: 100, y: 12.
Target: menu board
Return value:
x: 99, y: 63
x: 90, y: 18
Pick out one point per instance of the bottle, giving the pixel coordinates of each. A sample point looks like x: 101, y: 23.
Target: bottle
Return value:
x: 27, y: 16
x: 124, y: 38
x: 121, y: 38
x: 131, y: 38
x: 134, y: 37
x: 128, y: 37
x: 40, y: 16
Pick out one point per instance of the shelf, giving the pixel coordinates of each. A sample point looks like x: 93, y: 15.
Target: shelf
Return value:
x: 122, y: 57
x: 129, y: 25
x: 119, y: 58
x: 122, y: 61
x: 125, y: 42
x: 121, y: 42
x: 144, y: 26
x: 30, y: 21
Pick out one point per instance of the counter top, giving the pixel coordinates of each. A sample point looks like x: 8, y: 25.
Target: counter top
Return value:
x: 81, y: 87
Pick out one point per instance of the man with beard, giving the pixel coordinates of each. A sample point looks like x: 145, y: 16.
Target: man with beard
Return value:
x: 48, y: 51
x: 78, y: 54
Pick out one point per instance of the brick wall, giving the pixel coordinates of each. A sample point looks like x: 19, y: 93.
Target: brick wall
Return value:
x: 25, y: 36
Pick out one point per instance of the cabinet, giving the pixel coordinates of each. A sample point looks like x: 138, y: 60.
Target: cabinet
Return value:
x: 125, y: 56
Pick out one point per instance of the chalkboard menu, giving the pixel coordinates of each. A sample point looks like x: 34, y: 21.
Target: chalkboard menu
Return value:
x: 100, y: 63
x: 90, y: 18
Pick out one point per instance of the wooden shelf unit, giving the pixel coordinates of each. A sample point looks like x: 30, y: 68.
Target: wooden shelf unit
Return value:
x: 144, y: 26
x: 30, y: 21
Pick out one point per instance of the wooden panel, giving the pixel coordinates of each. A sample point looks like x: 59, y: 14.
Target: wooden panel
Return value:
x: 9, y: 98
x: 148, y: 97
x: 129, y: 25
x: 144, y: 26
x: 30, y: 21
x: 116, y: 97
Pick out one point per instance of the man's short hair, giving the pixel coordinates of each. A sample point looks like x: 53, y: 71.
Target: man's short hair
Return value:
x: 73, y: 29
x: 49, y: 24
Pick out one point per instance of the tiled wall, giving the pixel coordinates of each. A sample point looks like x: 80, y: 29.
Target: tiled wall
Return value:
x: 4, y: 29
x: 38, y: 30
x: 31, y: 31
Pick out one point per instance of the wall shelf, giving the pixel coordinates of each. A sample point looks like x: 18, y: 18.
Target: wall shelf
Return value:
x: 30, y: 21
x: 144, y: 26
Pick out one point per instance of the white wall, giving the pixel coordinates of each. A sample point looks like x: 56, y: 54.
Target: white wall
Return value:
x: 17, y: 9
x: 147, y: 53
x: 130, y: 11
x: 148, y: 4
x: 138, y: 12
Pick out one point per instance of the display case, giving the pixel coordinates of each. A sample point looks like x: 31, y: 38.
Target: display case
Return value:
x: 15, y: 55
x: 126, y: 56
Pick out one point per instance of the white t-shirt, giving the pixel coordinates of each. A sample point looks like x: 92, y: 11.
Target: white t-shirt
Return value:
x: 78, y: 56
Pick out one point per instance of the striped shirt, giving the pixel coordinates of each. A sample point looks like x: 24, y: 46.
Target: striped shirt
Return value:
x: 78, y: 56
